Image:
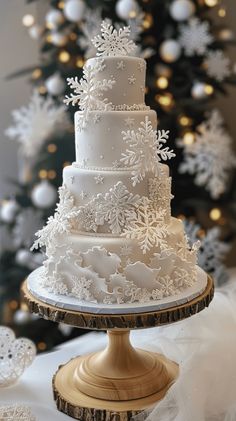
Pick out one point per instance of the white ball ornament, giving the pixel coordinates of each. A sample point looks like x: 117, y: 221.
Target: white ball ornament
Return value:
x: 8, y: 211
x: 54, y: 18
x: 35, y: 32
x: 74, y: 10
x: 126, y: 9
x: 44, y: 195
x: 170, y: 50
x: 22, y: 317
x: 59, y: 39
x: 198, y: 90
x: 55, y: 84
x: 181, y: 10
x: 23, y: 256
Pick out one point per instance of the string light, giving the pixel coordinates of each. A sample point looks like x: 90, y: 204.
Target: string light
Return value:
x: 162, y: 82
x: 42, y: 89
x: 42, y: 346
x: 36, y: 74
x: 132, y: 14
x: 189, y: 138
x: 165, y: 100
x: 52, y: 174
x: 28, y: 20
x: 185, y: 120
x: 42, y: 174
x: 211, y: 3
x: 49, y: 38
x: 80, y: 62
x: 215, y: 214
x: 13, y: 304
x: 221, y: 12
x: 209, y: 89
x: 52, y: 148
x: 61, y: 4
x: 148, y: 21
x: 64, y: 56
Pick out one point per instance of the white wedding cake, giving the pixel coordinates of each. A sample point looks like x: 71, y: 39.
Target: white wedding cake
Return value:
x: 112, y: 239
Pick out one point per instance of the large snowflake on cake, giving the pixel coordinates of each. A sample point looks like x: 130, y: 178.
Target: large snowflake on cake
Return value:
x: 89, y: 91
x: 217, y: 65
x: 210, y: 157
x: 195, y: 37
x: 113, y: 42
x: 34, y: 123
x: 145, y: 150
x: 60, y: 223
x: 149, y: 228
x: 117, y: 207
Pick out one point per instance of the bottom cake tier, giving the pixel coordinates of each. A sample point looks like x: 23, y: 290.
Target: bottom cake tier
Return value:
x: 112, y: 269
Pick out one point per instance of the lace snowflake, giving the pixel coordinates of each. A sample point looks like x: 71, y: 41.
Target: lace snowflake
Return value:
x: 212, y: 251
x: 148, y: 228
x: 217, y: 65
x: 167, y: 286
x: 89, y: 91
x: 195, y: 37
x: 160, y: 192
x: 145, y: 150
x: 117, y: 207
x: 81, y: 287
x: 16, y: 412
x: 34, y: 123
x: 60, y: 223
x: 113, y: 42
x: 210, y: 157
x: 86, y: 217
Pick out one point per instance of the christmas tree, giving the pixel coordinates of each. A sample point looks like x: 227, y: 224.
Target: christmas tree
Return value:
x: 187, y: 70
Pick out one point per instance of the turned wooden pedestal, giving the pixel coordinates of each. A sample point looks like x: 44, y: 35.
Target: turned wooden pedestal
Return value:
x: 120, y: 381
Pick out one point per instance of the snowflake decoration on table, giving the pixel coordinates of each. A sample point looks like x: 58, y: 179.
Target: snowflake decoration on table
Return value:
x: 89, y: 91
x: 60, y: 223
x: 195, y: 37
x: 148, y: 228
x: 28, y: 221
x: 211, y: 156
x: 117, y: 207
x: 212, y: 250
x: 16, y: 412
x: 113, y: 42
x: 217, y: 65
x: 34, y: 123
x: 145, y: 150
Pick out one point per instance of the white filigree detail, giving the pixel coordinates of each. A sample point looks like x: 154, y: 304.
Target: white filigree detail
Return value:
x: 97, y: 118
x: 81, y: 287
x: 113, y: 42
x: 117, y: 207
x: 134, y: 107
x: 99, y: 179
x: 195, y: 37
x: 145, y: 150
x: 217, y: 65
x: 86, y: 218
x: 16, y: 412
x: 131, y: 80
x: 160, y: 192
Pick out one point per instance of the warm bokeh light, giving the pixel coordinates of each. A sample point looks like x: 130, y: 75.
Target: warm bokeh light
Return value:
x: 211, y: 3
x: 165, y: 100
x: 42, y: 89
x: 64, y: 56
x: 52, y: 174
x: 73, y: 36
x: 209, y: 89
x: 162, y: 82
x: 41, y: 346
x: 148, y: 21
x: 52, y: 148
x: 222, y: 12
x: 61, y: 4
x: 185, y: 120
x: 28, y: 20
x: 80, y: 62
x: 215, y: 214
x: 42, y: 174
x: 13, y: 304
x: 36, y: 74
x: 189, y: 138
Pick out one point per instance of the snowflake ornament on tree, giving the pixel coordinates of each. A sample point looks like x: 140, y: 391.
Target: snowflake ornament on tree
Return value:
x: 217, y: 65
x: 113, y: 42
x: 145, y: 150
x: 117, y: 207
x: 35, y: 123
x: 89, y: 91
x: 90, y: 27
x: 210, y: 157
x: 195, y: 37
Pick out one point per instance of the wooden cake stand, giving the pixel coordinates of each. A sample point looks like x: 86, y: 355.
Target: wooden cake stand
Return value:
x: 120, y: 381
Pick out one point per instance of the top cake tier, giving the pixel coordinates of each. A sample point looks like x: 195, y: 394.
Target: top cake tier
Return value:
x: 129, y: 74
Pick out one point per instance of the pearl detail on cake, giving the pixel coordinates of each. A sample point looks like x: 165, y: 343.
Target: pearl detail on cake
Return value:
x: 132, y: 80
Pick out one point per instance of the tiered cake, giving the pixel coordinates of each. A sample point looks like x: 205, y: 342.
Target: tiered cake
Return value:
x: 112, y: 239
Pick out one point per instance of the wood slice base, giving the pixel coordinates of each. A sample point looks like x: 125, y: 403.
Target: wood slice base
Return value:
x: 82, y: 407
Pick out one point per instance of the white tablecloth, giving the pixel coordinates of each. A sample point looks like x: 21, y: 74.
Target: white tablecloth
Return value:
x: 204, y: 346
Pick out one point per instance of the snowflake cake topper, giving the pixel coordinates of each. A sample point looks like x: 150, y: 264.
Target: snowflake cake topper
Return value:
x: 113, y: 42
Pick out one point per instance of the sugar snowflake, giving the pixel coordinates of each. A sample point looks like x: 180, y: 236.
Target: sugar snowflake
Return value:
x: 195, y: 37
x: 60, y: 223
x: 81, y: 287
x: 34, y: 123
x: 148, y: 228
x: 113, y: 42
x: 211, y: 156
x: 212, y: 251
x: 86, y: 217
x: 217, y: 65
x: 89, y: 91
x: 145, y: 150
x: 117, y: 207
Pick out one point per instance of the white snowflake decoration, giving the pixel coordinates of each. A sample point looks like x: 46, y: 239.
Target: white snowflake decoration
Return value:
x: 86, y: 218
x: 81, y: 287
x: 89, y: 91
x: 117, y: 207
x: 210, y: 157
x: 195, y: 37
x: 16, y: 412
x: 113, y: 42
x: 34, y: 123
x: 145, y: 150
x: 60, y: 223
x: 148, y: 228
x: 217, y: 65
